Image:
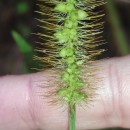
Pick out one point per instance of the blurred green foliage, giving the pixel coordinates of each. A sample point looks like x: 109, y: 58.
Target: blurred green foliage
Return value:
x: 22, y: 7
x: 23, y: 45
x: 27, y: 50
x: 119, y: 34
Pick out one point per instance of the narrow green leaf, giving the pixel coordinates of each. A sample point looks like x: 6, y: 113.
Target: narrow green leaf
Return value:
x: 23, y: 45
x: 123, y: 45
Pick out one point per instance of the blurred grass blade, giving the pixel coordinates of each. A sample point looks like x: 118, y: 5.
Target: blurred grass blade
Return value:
x: 23, y: 45
x: 123, y: 45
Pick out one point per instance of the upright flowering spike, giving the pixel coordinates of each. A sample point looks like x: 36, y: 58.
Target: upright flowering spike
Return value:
x: 72, y: 32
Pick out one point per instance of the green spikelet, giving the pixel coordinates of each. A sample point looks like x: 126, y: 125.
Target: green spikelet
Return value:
x: 71, y: 32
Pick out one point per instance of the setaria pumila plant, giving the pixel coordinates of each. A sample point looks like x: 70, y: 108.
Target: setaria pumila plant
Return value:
x: 70, y: 39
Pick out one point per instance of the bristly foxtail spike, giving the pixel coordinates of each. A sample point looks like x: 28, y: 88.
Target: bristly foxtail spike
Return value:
x: 71, y: 36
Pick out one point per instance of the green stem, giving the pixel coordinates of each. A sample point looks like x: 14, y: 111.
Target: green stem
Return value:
x: 72, y: 117
x: 119, y: 34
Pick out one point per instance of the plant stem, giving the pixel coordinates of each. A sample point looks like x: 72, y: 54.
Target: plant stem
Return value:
x: 72, y: 117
